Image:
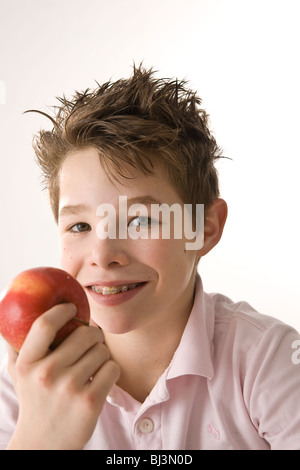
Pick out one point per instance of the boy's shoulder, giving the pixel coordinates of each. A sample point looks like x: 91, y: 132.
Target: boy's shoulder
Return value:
x: 247, y: 339
x: 243, y: 318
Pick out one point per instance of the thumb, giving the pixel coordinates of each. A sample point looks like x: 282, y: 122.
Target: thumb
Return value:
x: 11, y: 364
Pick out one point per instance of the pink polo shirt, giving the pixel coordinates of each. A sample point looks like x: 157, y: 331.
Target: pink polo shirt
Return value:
x: 233, y: 383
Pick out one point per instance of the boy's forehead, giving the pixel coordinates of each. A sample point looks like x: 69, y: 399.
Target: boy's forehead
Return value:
x: 82, y: 174
x: 89, y: 160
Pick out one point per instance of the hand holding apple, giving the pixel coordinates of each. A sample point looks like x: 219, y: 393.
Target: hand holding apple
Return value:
x: 30, y: 294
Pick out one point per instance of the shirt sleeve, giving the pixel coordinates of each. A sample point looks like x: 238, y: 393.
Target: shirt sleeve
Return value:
x: 9, y: 408
x: 272, y: 387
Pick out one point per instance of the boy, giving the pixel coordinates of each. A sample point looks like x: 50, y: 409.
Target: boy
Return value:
x: 163, y: 365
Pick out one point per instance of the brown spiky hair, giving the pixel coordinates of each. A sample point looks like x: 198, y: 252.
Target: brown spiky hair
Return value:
x: 139, y: 123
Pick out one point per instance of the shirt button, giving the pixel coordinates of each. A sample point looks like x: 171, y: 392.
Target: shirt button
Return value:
x: 146, y: 425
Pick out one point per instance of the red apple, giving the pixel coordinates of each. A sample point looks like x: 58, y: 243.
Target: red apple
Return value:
x: 30, y: 294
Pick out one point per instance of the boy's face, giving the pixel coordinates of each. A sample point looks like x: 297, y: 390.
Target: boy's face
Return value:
x: 130, y: 283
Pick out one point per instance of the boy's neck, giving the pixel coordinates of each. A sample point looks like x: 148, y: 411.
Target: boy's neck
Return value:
x: 144, y: 355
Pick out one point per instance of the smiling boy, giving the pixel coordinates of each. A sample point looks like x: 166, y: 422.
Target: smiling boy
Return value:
x: 163, y: 365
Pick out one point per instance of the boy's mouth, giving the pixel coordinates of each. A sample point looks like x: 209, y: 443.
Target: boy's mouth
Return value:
x: 110, y: 290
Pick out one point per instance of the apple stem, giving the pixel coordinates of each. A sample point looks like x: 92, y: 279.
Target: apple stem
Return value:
x: 83, y: 322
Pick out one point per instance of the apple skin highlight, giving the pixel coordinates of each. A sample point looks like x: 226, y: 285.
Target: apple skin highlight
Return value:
x: 30, y: 294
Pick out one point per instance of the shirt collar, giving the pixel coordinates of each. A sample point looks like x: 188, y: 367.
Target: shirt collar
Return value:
x: 194, y: 353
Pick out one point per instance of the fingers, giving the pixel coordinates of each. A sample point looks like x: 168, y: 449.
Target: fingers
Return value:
x: 12, y: 359
x: 82, y: 353
x: 106, y: 377
x: 83, y: 345
x: 66, y: 386
x: 99, y: 387
x: 88, y: 365
x: 43, y: 331
x: 12, y: 354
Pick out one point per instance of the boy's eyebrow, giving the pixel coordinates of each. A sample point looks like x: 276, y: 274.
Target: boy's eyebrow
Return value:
x: 72, y: 209
x: 77, y: 208
x: 143, y: 200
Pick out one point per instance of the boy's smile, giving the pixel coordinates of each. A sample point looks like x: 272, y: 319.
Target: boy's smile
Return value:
x: 131, y: 283
x: 115, y: 294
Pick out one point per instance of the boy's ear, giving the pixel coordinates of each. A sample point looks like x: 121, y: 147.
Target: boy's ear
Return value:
x: 214, y: 222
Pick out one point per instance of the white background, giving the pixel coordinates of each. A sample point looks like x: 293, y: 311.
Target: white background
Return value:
x: 242, y: 56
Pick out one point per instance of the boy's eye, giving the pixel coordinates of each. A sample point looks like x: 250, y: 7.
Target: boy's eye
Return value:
x: 140, y: 221
x: 80, y: 227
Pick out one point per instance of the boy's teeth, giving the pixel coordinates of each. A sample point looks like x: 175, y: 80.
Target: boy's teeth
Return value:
x: 105, y: 290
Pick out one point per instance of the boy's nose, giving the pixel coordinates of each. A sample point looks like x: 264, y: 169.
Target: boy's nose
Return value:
x: 106, y: 252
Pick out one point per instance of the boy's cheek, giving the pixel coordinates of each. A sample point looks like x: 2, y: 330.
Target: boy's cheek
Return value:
x: 67, y: 261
